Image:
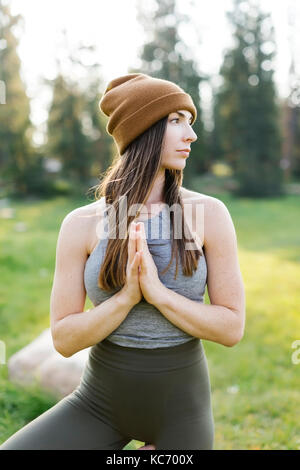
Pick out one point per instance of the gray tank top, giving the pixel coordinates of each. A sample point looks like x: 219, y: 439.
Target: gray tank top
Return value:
x: 145, y: 326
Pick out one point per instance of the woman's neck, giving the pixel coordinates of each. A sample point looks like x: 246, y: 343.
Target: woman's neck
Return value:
x: 156, y: 195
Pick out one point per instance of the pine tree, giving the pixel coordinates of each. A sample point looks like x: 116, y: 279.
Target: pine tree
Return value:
x: 21, y: 169
x: 247, y: 104
x: 296, y: 148
x: 101, y: 146
x: 291, y: 105
x: 75, y: 129
x: 66, y: 141
x: 166, y: 56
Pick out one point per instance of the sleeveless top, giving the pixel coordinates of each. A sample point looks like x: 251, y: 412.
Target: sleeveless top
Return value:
x: 145, y: 326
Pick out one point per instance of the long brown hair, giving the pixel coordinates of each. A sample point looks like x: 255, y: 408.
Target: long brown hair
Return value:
x: 132, y: 175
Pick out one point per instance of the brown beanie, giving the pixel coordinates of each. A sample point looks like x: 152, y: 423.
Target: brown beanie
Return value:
x: 136, y: 101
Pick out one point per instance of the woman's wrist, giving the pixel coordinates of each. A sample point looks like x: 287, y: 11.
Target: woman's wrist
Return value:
x: 125, y: 299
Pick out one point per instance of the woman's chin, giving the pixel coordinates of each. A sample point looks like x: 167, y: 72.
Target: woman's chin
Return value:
x: 178, y: 164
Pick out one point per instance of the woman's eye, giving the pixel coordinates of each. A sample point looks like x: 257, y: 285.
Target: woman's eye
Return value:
x: 177, y: 119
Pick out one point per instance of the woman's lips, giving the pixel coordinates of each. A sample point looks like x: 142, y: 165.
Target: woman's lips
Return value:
x: 184, y: 152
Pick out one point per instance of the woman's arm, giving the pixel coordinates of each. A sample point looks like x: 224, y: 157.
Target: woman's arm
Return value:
x: 211, y: 322
x: 73, y: 329
x: 223, y: 320
x: 78, y: 331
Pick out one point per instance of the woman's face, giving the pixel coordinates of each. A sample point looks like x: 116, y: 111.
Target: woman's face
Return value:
x: 178, y: 136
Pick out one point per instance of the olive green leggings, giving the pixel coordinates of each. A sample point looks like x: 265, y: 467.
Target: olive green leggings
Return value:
x: 160, y: 396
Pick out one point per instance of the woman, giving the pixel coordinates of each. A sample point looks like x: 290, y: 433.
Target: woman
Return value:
x: 146, y: 377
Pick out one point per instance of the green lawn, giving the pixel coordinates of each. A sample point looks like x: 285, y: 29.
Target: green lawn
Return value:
x: 255, y: 385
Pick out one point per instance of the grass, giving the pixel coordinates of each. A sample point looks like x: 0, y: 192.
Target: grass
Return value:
x: 255, y: 385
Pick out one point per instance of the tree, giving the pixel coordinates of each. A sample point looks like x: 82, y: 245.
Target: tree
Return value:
x: 248, y: 112
x: 66, y: 141
x: 165, y: 56
x: 21, y: 169
x: 291, y: 106
x: 75, y: 129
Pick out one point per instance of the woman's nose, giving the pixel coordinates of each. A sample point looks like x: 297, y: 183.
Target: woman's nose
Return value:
x: 192, y: 137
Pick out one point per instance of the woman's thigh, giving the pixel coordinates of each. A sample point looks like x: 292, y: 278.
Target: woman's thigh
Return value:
x: 188, y: 415
x: 196, y: 434
x: 66, y: 426
x: 170, y: 409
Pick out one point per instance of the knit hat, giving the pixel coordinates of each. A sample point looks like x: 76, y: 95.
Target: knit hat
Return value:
x: 136, y: 101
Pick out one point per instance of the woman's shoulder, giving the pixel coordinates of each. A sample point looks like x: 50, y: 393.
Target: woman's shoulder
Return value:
x: 89, y: 211
x: 194, y: 197
x: 85, y: 221
x: 205, y: 211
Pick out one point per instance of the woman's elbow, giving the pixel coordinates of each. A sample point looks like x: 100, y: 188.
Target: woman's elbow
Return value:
x: 236, y: 337
x: 59, y: 346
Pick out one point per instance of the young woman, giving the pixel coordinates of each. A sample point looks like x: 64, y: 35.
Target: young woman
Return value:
x: 143, y: 252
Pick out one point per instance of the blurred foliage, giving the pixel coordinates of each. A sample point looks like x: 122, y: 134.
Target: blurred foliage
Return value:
x: 248, y: 131
x: 254, y: 133
x: 247, y: 116
x: 166, y: 56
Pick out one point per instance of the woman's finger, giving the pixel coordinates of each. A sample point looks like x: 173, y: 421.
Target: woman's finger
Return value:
x: 135, y: 263
x: 131, y: 242
x: 139, y: 237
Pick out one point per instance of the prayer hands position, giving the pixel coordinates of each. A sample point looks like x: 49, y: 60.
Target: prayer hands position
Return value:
x: 149, y: 281
x: 132, y: 286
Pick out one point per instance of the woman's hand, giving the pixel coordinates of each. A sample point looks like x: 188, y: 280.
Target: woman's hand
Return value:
x: 132, y: 288
x: 150, y: 284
